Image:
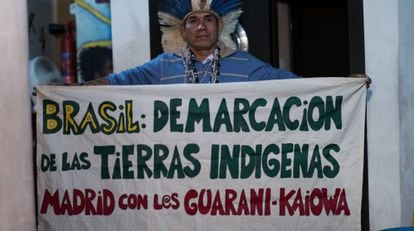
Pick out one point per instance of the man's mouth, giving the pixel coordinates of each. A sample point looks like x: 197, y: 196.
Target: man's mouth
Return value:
x: 202, y: 36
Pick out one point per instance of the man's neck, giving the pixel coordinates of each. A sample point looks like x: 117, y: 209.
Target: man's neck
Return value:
x: 202, y: 54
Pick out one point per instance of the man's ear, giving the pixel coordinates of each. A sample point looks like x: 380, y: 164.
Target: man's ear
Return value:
x: 220, y: 25
x: 182, y: 30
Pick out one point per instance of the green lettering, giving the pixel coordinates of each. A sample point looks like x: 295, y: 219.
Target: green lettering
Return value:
x: 301, y: 161
x: 333, y: 113
x: 275, y: 117
x: 241, y: 107
x: 214, y: 161
x: 188, y: 151
x: 292, y: 125
x: 160, y: 154
x: 104, y: 152
x: 315, y: 163
x: 197, y: 114
x: 144, y: 154
x: 175, y: 115
x: 229, y: 161
x: 222, y: 118
x: 247, y: 162
x: 257, y: 126
x: 333, y: 171
x: 176, y: 165
x: 160, y: 115
x: 286, y: 162
x: 271, y: 167
x: 127, y: 150
x: 316, y: 103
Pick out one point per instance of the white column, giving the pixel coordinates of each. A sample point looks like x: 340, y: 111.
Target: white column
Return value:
x: 17, y: 210
x: 381, y: 55
x: 130, y: 33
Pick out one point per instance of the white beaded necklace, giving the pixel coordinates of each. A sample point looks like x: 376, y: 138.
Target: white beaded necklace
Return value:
x: 190, y: 72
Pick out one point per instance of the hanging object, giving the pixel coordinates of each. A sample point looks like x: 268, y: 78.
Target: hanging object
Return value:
x: 68, y: 55
x: 68, y: 65
x: 43, y: 71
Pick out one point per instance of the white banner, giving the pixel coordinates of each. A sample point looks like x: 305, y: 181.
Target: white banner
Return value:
x: 242, y: 156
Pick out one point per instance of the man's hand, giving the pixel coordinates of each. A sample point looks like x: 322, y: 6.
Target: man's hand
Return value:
x: 360, y: 75
x: 100, y: 81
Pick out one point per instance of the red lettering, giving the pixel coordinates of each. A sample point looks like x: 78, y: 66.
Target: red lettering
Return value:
x: 284, y: 202
x: 66, y: 205
x: 190, y: 207
x: 133, y: 201
x: 343, y: 204
x: 89, y: 196
x: 231, y: 203
x: 315, y: 202
x: 157, y: 206
x: 79, y: 202
x: 49, y: 200
x: 217, y: 205
x: 231, y: 196
x: 317, y: 195
x: 204, y: 208
x: 176, y: 202
x: 108, y: 202
x: 258, y: 199
x: 243, y: 205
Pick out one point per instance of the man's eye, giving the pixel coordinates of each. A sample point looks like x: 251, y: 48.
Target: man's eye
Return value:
x: 192, y: 24
x: 210, y: 19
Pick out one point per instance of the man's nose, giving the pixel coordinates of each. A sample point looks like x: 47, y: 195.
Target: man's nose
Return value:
x: 201, y: 26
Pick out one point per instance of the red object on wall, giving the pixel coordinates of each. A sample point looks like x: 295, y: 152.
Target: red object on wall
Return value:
x: 68, y: 55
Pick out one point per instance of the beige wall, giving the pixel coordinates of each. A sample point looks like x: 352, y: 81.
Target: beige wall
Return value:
x: 17, y: 203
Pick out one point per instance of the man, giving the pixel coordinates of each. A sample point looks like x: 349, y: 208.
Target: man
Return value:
x: 198, y: 48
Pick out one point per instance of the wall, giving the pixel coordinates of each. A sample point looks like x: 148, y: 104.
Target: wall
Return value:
x: 389, y: 56
x: 130, y: 33
x: 406, y: 85
x: 381, y: 54
x: 17, y: 203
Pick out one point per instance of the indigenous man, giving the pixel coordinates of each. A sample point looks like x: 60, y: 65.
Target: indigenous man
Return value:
x: 198, y: 48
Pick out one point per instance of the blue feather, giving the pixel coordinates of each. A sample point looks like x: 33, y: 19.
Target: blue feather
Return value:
x: 176, y: 8
x: 223, y: 7
x: 180, y: 8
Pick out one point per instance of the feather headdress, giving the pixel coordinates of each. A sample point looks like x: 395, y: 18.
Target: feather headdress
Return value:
x: 172, y: 13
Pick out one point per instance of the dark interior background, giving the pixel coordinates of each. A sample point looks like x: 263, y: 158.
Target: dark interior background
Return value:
x: 326, y: 35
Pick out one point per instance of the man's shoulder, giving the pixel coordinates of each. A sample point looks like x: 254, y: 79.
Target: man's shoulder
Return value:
x: 241, y: 55
x: 166, y: 57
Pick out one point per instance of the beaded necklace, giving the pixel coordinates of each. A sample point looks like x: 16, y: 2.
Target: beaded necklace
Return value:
x: 190, y: 72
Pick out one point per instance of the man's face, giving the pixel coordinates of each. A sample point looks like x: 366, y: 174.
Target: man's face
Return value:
x: 200, y: 30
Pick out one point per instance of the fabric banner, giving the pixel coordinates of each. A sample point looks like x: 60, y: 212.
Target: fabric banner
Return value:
x: 241, y: 156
